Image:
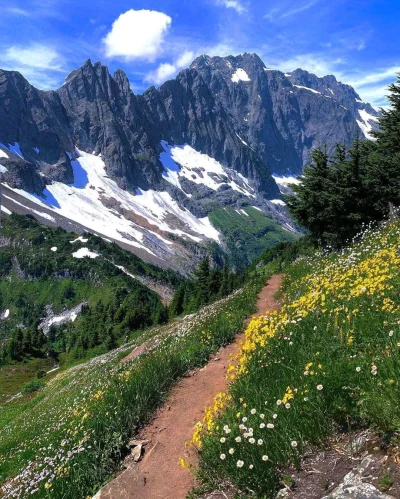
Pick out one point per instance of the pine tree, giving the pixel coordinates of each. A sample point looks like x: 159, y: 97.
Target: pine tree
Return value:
x: 203, y: 283
x: 177, y: 305
x: 224, y: 288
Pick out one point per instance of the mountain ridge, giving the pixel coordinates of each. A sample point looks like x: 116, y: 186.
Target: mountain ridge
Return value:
x: 212, y: 137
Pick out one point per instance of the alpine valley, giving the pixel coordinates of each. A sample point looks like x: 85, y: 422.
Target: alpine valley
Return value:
x: 195, y: 167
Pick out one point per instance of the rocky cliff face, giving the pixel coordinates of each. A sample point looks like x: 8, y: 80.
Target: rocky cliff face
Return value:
x: 153, y: 166
x: 284, y: 116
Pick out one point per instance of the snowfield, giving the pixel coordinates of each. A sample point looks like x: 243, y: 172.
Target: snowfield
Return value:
x: 185, y: 162
x: 83, y: 202
x: 13, y: 148
x: 40, y: 213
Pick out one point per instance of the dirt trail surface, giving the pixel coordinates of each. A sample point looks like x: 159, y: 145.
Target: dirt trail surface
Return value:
x: 158, y: 474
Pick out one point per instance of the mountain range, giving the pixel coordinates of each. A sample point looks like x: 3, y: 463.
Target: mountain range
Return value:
x: 191, y: 168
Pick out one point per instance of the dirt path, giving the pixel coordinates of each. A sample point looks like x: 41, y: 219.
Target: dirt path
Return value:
x: 159, y: 474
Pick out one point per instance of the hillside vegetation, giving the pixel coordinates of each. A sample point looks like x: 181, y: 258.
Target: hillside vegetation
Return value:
x: 67, y: 439
x: 328, y: 359
x: 247, y: 233
x: 42, y: 267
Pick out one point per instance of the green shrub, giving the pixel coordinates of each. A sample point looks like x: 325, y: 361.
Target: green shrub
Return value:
x: 32, y: 386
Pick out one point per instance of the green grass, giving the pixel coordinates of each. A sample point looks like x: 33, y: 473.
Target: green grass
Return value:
x: 14, y: 376
x: 327, y: 361
x: 247, y: 236
x: 75, y: 430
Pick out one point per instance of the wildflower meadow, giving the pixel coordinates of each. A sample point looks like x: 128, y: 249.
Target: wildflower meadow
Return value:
x: 327, y: 361
x: 68, y: 439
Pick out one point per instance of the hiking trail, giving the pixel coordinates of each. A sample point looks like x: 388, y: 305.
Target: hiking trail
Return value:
x: 159, y: 475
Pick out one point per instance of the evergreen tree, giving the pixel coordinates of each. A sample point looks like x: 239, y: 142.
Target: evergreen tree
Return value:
x: 224, y: 288
x: 203, y: 283
x: 178, y: 300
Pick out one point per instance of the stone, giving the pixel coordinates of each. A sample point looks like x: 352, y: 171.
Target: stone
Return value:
x: 354, y: 485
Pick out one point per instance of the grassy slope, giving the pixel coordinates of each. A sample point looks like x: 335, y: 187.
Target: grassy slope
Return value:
x: 84, y: 417
x: 57, y: 278
x: 246, y: 237
x: 329, y: 359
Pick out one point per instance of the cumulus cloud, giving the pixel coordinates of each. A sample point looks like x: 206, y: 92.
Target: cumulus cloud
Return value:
x: 137, y: 34
x: 233, y: 4
x: 168, y: 70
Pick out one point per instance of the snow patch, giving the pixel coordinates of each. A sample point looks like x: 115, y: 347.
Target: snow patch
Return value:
x: 3, y: 154
x: 241, y: 140
x: 81, y: 239
x: 308, y: 88
x: 365, y: 123
x: 85, y: 252
x: 29, y: 196
x: 3, y: 169
x: 184, y: 161
x: 278, y: 202
x: 331, y: 91
x: 285, y: 181
x: 240, y: 75
x: 288, y: 75
x: 54, y: 249
x: 6, y: 314
x: 5, y: 210
x: 14, y: 148
x: 120, y: 267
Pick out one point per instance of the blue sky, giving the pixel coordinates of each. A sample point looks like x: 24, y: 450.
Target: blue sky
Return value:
x: 357, y: 40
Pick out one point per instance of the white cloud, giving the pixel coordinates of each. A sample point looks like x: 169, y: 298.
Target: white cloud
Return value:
x: 380, y: 76
x: 34, y: 56
x: 168, y: 70
x: 16, y: 11
x: 137, y: 34
x: 162, y: 73
x: 233, y: 4
x: 41, y: 65
x: 321, y: 66
x: 281, y: 13
x: 185, y: 59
